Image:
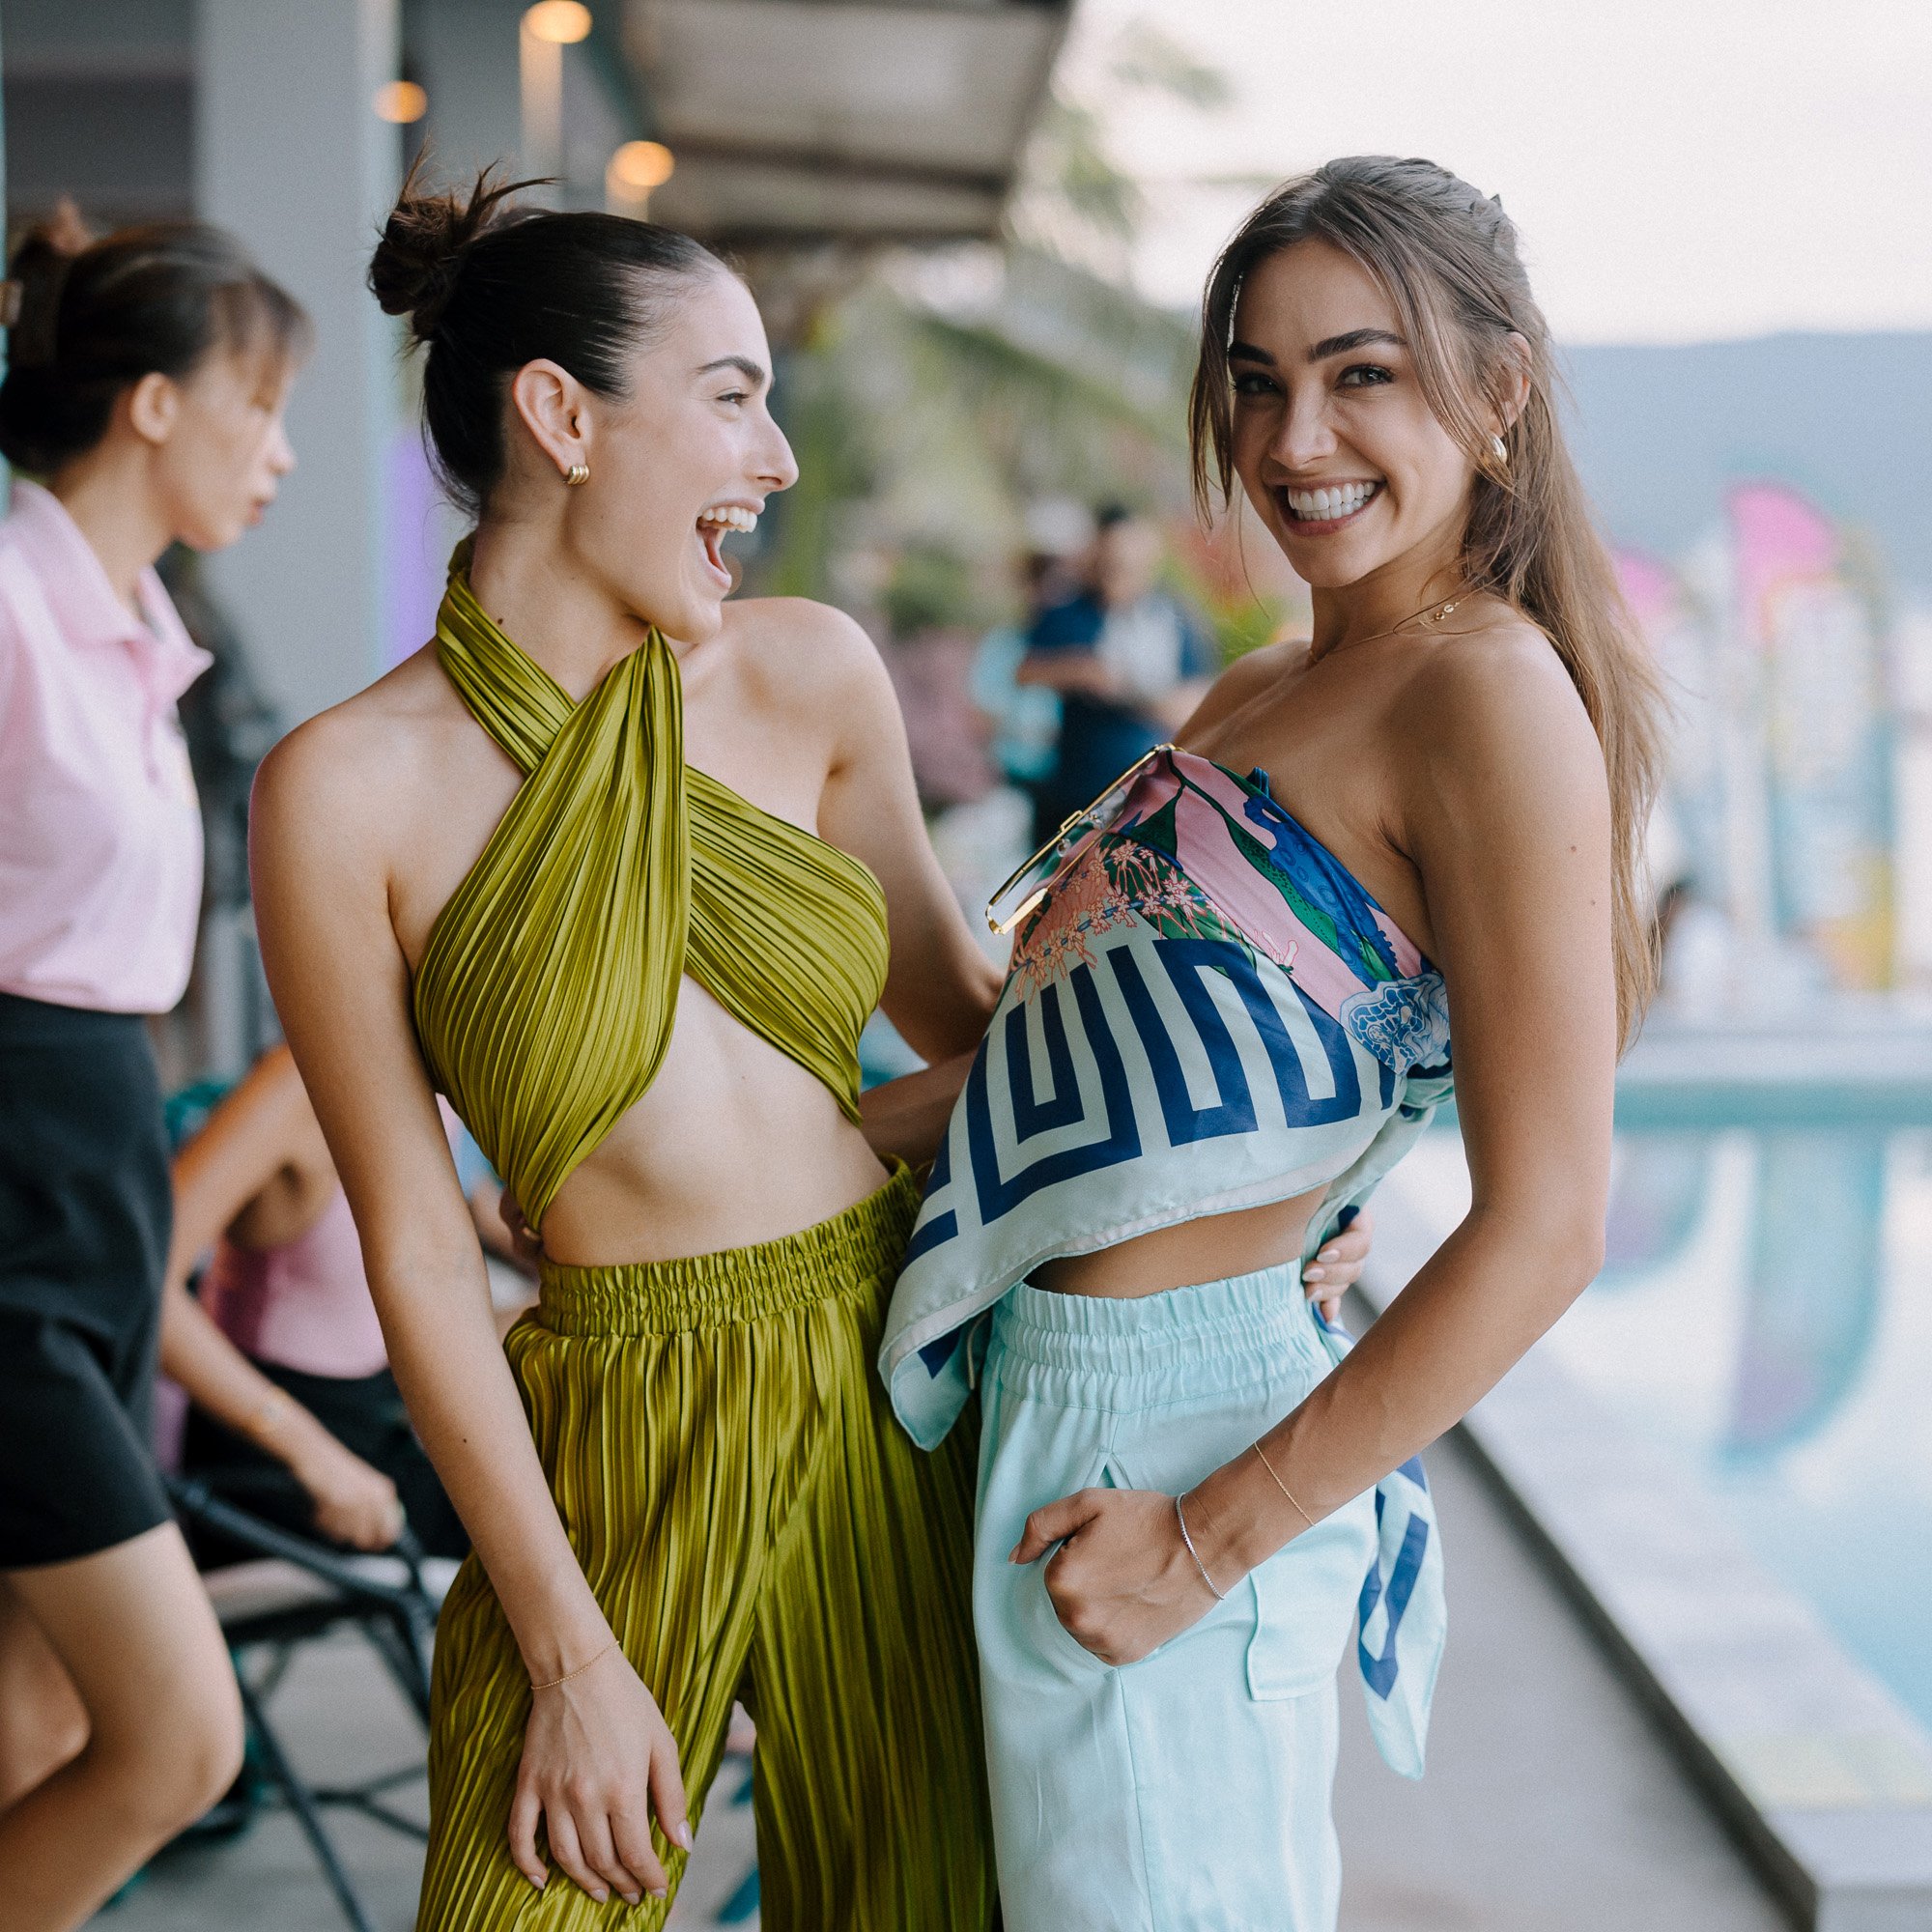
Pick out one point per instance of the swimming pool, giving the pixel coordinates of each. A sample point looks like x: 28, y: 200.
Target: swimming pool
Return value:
x: 1764, y: 1318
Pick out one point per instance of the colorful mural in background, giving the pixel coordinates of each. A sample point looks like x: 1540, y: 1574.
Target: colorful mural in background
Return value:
x: 1778, y: 826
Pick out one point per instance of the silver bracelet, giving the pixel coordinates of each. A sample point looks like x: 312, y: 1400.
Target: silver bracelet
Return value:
x: 1220, y: 1596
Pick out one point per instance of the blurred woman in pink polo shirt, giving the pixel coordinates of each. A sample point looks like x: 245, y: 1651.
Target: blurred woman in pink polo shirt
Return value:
x: 146, y: 379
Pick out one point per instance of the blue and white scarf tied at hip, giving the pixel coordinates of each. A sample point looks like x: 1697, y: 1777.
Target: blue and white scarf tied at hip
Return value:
x: 1403, y: 1610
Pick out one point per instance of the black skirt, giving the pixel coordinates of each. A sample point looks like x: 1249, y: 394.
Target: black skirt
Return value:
x: 85, y: 1215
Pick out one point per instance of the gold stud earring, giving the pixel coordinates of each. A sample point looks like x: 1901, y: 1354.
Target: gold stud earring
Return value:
x: 578, y: 472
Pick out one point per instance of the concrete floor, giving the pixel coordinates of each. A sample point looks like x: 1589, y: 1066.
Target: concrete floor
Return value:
x: 1549, y: 1807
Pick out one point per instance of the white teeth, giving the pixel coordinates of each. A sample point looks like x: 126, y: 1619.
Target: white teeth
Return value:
x: 730, y: 517
x: 1331, y: 501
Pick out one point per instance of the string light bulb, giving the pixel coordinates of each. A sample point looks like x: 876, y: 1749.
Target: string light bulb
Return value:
x: 561, y: 22
x: 638, y: 167
x: 401, y: 102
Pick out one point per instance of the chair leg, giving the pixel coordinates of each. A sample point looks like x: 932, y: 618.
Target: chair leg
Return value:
x: 398, y: 1644
x: 297, y: 1793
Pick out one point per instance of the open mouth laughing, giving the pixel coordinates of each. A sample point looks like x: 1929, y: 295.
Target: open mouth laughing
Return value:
x: 715, y: 523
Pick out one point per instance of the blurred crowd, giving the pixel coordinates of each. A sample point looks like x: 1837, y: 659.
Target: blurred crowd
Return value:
x: 1016, y: 728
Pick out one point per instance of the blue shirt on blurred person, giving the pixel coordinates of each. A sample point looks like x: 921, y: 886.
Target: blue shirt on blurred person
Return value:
x: 1127, y: 659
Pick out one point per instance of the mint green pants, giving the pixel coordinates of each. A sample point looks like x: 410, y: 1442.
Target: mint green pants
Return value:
x: 1189, y: 1792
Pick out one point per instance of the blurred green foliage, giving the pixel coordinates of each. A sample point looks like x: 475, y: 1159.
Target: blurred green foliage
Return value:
x: 934, y: 397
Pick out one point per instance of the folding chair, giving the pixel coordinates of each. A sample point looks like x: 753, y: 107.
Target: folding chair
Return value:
x: 289, y: 1593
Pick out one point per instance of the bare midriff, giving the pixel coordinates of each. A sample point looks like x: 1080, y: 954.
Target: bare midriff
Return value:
x: 1210, y: 1249
x: 734, y: 1144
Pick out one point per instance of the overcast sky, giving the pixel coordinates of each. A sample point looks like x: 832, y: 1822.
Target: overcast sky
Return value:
x: 1681, y: 170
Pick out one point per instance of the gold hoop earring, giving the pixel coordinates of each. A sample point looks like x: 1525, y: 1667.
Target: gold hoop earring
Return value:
x: 578, y: 472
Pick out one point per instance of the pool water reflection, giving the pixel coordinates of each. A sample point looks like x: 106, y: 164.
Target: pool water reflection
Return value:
x: 1764, y: 1313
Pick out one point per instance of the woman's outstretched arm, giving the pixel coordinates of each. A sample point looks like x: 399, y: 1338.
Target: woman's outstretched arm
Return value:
x: 264, y: 1129
x: 1505, y: 813
x: 596, y: 1743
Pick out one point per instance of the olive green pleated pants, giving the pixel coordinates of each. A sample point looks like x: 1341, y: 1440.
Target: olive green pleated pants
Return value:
x: 753, y: 1522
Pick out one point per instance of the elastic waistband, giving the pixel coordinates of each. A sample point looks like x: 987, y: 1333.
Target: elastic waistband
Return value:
x: 862, y: 1245
x: 31, y: 1022
x: 1095, y: 1352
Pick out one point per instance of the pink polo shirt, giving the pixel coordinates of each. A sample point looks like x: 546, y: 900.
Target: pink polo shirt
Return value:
x: 99, y: 832
x: 305, y: 1305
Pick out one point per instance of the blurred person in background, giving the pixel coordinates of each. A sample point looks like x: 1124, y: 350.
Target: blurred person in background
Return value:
x: 297, y: 1417
x: 1127, y: 659
x: 927, y: 606
x: 148, y: 373
x: 1024, y: 718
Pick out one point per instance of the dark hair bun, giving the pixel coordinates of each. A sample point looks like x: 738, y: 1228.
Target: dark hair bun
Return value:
x: 38, y: 269
x: 491, y: 288
x: 425, y: 243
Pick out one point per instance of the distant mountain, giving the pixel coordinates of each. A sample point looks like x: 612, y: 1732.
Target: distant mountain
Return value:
x: 1846, y: 418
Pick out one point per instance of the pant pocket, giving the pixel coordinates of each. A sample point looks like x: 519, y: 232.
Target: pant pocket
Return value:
x: 1305, y: 1602
x: 1229, y: 1789
x: 1036, y: 1611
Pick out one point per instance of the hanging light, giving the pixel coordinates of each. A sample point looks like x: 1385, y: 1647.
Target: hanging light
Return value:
x: 400, y: 102
x: 638, y: 167
x: 561, y: 22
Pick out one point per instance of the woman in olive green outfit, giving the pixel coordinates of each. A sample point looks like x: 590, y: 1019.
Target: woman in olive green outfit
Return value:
x: 642, y: 990
x: 725, y: 1399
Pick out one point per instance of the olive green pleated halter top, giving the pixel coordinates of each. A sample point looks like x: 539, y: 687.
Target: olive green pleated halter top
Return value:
x: 547, y: 993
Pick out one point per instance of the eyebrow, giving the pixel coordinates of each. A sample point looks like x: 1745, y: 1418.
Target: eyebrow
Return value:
x: 1334, y: 345
x: 744, y: 365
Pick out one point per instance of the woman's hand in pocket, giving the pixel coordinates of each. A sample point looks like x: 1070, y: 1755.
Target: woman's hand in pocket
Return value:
x: 1121, y: 1581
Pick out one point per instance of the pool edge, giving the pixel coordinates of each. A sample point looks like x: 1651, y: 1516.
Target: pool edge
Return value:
x: 1733, y: 1667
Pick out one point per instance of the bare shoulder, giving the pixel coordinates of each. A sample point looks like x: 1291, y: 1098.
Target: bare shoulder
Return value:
x: 797, y: 636
x: 810, y: 658
x: 1497, y: 689
x: 357, y: 766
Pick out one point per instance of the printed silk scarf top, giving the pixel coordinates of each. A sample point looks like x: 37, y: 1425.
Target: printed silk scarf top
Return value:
x: 1207, y: 1013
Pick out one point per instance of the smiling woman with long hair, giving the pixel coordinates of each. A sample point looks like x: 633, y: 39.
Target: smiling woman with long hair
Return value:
x: 1231, y: 1008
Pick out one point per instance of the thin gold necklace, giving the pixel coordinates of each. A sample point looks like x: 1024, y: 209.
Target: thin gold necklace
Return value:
x: 1433, y: 614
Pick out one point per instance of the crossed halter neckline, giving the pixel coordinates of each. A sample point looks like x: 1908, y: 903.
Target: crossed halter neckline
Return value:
x: 548, y: 988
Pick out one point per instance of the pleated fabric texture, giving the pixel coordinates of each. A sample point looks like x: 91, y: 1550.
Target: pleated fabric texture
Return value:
x: 753, y: 1522
x: 724, y: 1462
x: 547, y: 990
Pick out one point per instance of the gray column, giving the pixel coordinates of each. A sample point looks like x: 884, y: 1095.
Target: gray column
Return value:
x: 289, y: 156
x: 466, y: 51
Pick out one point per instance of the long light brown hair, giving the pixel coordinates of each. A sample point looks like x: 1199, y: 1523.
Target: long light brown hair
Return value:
x: 1446, y: 257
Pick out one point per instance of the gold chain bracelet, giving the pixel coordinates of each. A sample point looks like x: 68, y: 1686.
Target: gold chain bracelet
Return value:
x: 580, y: 1670
x: 1279, y: 1485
